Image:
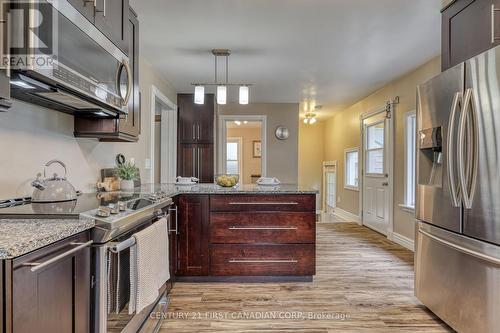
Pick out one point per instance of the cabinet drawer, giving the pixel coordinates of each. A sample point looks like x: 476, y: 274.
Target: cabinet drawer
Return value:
x: 264, y: 202
x: 262, y: 260
x: 263, y: 228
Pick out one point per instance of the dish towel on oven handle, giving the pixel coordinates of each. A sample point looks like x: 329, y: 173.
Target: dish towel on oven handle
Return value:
x: 149, y: 265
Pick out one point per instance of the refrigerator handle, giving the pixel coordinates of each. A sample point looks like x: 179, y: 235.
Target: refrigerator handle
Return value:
x: 454, y: 189
x: 468, y: 177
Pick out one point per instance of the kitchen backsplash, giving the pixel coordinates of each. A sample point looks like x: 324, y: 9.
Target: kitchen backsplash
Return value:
x: 31, y: 135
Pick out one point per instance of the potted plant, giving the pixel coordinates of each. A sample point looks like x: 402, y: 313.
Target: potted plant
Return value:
x: 127, y: 172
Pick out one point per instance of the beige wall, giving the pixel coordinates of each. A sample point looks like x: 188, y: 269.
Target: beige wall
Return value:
x: 311, y: 157
x: 282, y: 155
x: 343, y: 131
x: 31, y: 135
x: 251, y: 165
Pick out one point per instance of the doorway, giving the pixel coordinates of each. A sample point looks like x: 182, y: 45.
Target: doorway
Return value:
x: 163, y: 138
x: 330, y: 186
x: 377, y: 169
x: 242, y: 148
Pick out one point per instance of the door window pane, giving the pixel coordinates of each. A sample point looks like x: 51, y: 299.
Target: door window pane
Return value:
x: 375, y: 136
x: 375, y: 161
x: 375, y: 148
x: 351, y: 168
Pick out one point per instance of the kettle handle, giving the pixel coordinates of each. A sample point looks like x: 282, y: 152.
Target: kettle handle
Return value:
x: 49, y: 163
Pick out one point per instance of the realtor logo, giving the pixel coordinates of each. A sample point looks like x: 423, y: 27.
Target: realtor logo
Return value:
x: 31, y: 28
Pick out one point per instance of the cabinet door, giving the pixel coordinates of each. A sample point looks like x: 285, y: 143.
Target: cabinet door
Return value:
x: 55, y: 298
x: 131, y: 123
x: 112, y: 18
x: 186, y: 160
x: 85, y: 7
x: 469, y: 27
x: 187, y: 120
x: 193, y: 235
x: 205, y: 122
x: 205, y: 163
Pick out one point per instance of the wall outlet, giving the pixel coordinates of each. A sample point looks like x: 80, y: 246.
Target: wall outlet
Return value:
x: 147, y: 164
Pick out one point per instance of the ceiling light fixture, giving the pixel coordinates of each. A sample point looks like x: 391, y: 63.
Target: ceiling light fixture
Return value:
x: 199, y: 88
x: 310, y: 118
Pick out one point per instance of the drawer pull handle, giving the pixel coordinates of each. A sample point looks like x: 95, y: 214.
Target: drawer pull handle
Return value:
x: 261, y: 261
x: 35, y: 266
x: 262, y: 228
x: 264, y: 203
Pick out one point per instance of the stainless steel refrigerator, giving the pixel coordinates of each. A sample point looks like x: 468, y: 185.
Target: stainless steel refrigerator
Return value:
x: 457, y: 258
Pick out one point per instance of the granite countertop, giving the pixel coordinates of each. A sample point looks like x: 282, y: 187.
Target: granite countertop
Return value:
x: 20, y: 236
x: 173, y: 190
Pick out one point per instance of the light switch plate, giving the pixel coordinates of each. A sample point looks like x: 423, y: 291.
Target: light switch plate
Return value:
x: 147, y: 163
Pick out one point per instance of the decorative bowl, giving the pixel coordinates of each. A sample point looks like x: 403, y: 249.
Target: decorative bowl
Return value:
x: 227, y: 180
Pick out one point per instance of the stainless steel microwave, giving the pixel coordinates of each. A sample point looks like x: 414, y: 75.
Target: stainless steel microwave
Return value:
x: 83, y: 72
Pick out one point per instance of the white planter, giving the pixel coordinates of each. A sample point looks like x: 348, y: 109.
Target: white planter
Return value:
x: 126, y: 185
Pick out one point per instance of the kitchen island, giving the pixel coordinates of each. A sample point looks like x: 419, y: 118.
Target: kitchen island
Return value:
x: 243, y: 233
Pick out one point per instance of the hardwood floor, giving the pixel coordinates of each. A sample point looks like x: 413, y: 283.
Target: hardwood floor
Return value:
x: 364, y: 283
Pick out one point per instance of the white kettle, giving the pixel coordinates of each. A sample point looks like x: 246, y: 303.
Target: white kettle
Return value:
x: 53, y: 189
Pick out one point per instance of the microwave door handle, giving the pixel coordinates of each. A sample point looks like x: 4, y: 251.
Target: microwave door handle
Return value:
x: 454, y: 189
x: 130, y: 82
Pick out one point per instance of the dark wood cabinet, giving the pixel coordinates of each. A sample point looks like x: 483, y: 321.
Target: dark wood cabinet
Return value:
x: 196, y: 121
x: 196, y: 160
x: 263, y: 236
x: 53, y: 298
x: 195, y: 153
x: 193, y: 235
x: 111, y: 18
x: 126, y: 128
x: 5, y: 102
x: 469, y: 27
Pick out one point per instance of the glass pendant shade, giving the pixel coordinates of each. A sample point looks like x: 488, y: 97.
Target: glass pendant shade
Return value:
x: 199, y: 94
x: 244, y: 95
x: 221, y: 95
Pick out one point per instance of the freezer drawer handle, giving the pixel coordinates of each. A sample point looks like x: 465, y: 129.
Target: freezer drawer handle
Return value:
x: 462, y: 249
x: 262, y: 228
x: 35, y: 266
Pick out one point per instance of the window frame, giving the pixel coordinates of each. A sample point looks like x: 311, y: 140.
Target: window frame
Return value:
x: 346, y: 185
x: 368, y: 150
x: 239, y: 141
x: 410, y: 138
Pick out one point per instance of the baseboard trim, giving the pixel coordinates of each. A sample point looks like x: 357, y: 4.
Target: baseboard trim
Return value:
x: 346, y: 216
x: 403, y: 241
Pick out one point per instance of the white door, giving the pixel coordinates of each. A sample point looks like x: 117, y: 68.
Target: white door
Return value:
x: 376, y: 200
x: 330, y: 186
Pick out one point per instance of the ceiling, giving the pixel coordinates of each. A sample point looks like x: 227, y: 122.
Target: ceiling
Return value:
x: 331, y: 52
x: 242, y: 124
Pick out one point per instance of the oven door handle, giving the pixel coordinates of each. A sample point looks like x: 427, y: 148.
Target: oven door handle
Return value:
x: 176, y: 230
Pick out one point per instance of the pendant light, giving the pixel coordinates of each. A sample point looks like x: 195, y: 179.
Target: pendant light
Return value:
x: 221, y: 87
x: 244, y: 95
x: 199, y: 95
x: 221, y: 95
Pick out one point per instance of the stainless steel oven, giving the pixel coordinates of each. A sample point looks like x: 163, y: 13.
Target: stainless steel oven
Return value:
x: 111, y: 270
x: 83, y: 72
